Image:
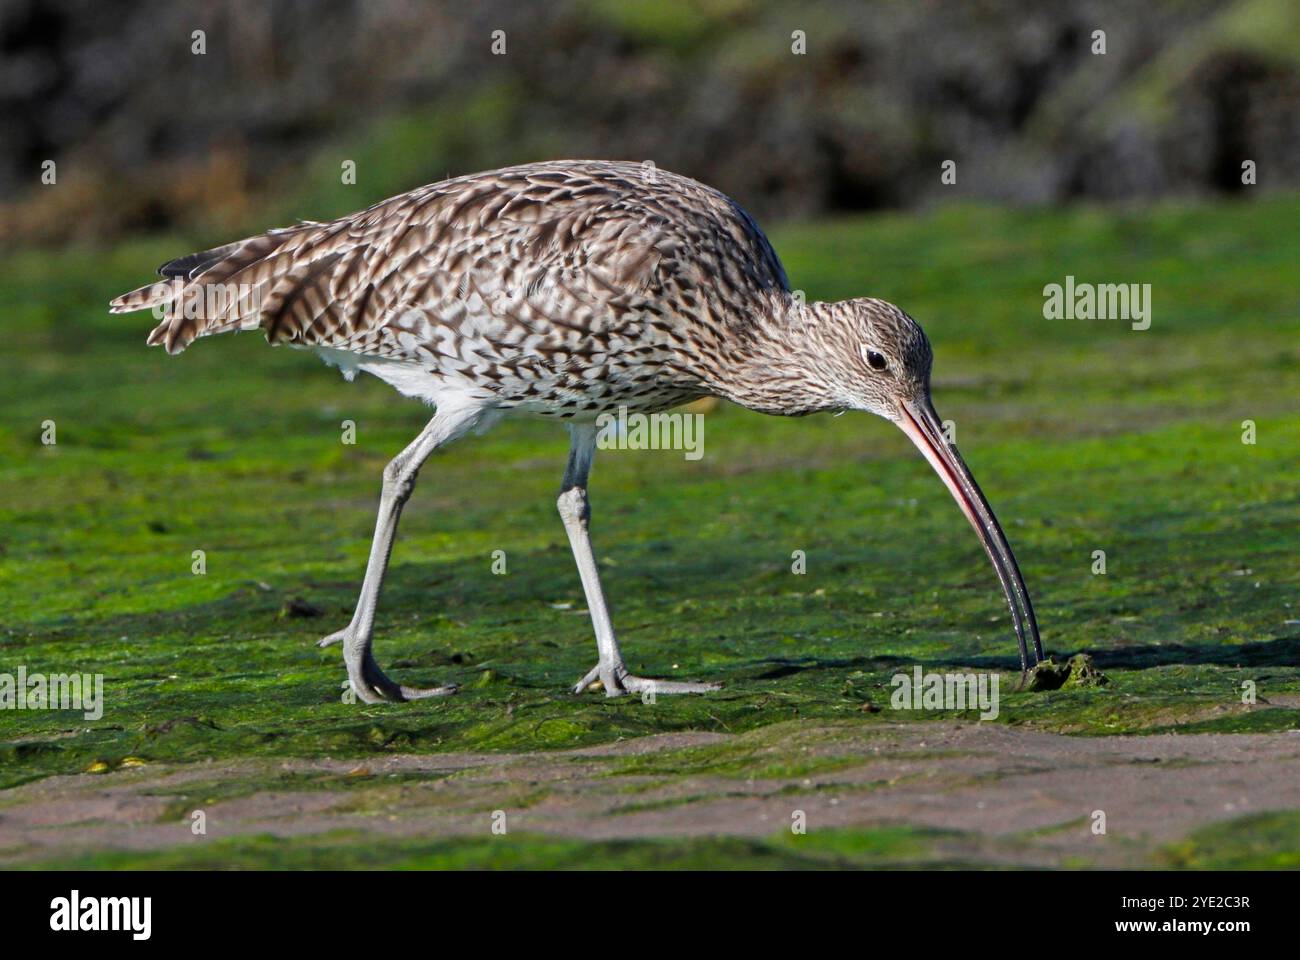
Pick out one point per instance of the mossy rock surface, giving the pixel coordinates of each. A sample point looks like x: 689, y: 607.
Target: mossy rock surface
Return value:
x: 1085, y: 436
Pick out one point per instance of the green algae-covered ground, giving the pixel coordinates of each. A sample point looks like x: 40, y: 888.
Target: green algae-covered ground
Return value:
x: 1085, y: 434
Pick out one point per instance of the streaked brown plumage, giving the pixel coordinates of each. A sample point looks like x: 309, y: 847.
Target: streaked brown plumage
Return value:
x: 562, y: 289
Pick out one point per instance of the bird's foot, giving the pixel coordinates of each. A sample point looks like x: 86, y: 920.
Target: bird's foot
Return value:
x: 618, y: 682
x: 391, y: 692
x: 370, y: 683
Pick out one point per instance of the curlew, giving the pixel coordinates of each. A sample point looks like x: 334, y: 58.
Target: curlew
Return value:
x: 565, y: 290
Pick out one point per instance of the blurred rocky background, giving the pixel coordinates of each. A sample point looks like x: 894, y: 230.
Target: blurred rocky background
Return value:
x: 147, y: 134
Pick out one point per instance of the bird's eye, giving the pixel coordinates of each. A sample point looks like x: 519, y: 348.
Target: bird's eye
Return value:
x: 875, y: 359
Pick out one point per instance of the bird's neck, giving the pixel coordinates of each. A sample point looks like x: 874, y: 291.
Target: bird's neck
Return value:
x: 778, y: 363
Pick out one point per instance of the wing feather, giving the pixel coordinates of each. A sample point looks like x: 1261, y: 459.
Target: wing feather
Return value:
x: 567, y: 244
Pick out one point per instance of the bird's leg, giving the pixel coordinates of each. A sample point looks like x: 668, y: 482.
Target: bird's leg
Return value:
x: 367, y: 680
x: 576, y: 513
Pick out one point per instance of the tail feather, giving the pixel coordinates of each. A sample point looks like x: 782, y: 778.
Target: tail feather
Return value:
x: 214, y: 291
x: 317, y: 283
x: 150, y: 295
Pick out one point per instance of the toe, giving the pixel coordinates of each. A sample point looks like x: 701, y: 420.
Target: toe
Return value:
x: 424, y: 693
x: 588, y: 679
x: 335, y: 637
x: 655, y: 687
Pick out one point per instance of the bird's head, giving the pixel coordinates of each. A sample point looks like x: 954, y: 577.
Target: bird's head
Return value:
x: 879, y: 357
x: 876, y: 358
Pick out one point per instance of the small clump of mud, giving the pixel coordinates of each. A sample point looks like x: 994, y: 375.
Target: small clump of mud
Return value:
x: 298, y: 607
x: 1078, y: 671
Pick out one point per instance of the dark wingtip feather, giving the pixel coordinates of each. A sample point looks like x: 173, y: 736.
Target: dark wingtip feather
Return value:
x: 192, y: 265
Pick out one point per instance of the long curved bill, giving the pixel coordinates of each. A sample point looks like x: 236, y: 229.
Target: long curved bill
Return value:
x: 919, y: 421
